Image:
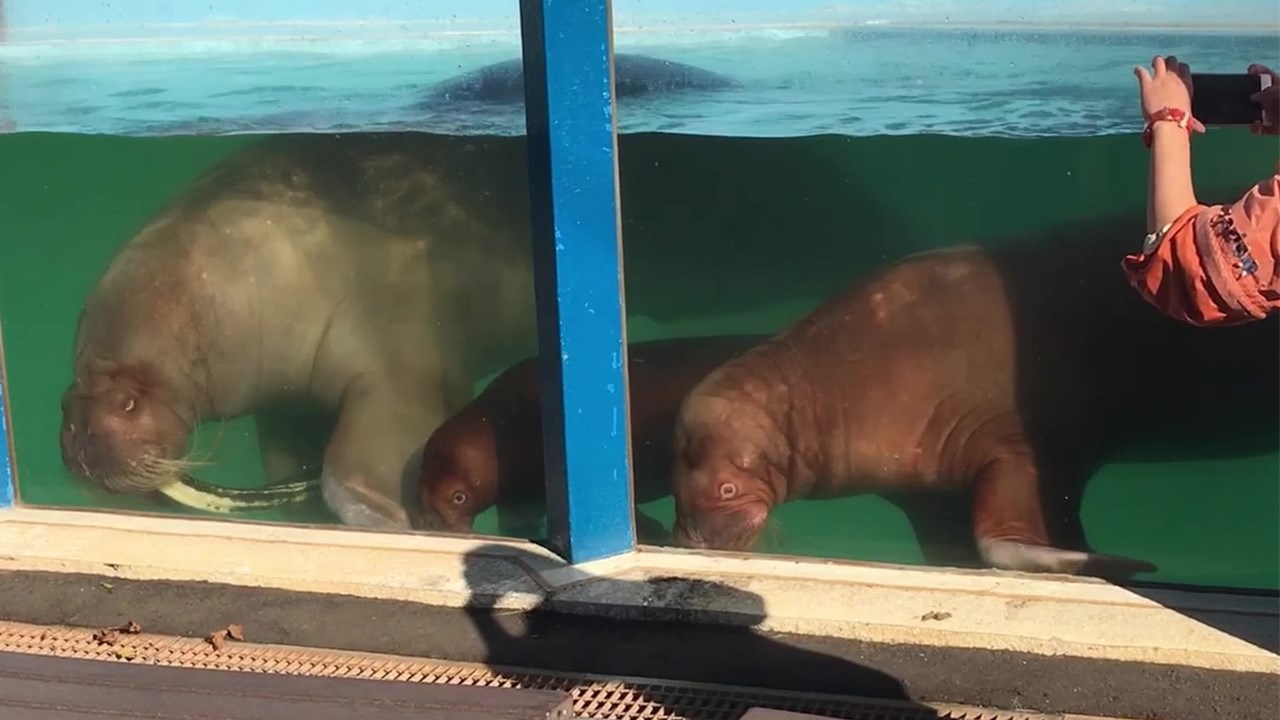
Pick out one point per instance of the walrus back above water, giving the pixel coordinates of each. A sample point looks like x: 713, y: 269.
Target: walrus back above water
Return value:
x: 952, y: 369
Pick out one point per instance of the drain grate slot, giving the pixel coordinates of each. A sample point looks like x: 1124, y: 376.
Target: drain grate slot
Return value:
x: 594, y: 697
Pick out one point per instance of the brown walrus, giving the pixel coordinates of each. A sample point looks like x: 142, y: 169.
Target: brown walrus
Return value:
x: 327, y: 286
x: 491, y: 451
x: 996, y: 372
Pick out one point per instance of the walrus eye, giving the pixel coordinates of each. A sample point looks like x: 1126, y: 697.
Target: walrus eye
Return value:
x: 728, y: 490
x: 459, y: 498
x: 129, y: 405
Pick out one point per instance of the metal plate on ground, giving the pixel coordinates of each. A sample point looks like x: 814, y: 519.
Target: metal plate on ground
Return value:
x: 592, y: 696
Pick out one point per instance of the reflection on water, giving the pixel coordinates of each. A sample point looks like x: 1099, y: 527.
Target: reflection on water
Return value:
x: 312, y: 308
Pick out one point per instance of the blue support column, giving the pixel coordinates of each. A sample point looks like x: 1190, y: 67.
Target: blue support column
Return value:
x: 577, y: 247
x: 7, y: 494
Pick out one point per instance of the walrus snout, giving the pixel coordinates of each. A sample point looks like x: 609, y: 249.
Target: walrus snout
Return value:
x: 458, y: 480
x: 431, y: 519
x: 722, y: 527
x: 119, y: 438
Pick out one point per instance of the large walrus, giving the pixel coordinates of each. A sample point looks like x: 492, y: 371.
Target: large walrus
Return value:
x: 491, y: 451
x: 313, y: 282
x: 999, y: 372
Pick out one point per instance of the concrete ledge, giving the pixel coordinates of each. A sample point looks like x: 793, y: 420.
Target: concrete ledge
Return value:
x: 984, y: 610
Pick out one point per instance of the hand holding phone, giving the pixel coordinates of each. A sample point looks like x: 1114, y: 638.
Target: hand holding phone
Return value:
x: 1269, y: 99
x: 1232, y: 99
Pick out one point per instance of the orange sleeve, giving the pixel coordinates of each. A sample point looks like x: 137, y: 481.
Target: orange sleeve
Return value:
x: 1215, y: 264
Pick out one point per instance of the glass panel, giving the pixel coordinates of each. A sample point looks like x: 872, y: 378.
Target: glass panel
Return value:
x: 271, y: 293
x: 1009, y: 375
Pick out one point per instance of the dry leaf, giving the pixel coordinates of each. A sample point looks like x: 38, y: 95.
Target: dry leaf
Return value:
x: 126, y: 653
x: 935, y: 615
x: 217, y: 639
x: 235, y: 632
x: 107, y: 586
x: 108, y: 636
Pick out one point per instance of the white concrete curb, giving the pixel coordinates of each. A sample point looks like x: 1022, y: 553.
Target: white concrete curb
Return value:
x: 886, y: 604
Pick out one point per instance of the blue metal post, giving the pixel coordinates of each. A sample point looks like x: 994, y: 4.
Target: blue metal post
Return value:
x: 7, y: 493
x: 577, y: 247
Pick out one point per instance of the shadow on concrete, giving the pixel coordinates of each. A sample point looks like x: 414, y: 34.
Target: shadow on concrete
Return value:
x: 722, y: 648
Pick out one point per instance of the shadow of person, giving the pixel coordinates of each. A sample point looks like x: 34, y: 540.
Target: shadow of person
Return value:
x: 648, y: 630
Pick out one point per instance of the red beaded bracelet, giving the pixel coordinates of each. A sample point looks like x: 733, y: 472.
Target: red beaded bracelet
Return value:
x: 1164, y: 114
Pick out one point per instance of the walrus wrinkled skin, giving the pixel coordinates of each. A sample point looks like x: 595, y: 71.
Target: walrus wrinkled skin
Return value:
x: 316, y: 283
x: 959, y: 369
x: 491, y: 452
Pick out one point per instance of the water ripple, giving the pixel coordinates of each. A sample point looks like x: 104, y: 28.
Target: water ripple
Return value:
x: 868, y: 82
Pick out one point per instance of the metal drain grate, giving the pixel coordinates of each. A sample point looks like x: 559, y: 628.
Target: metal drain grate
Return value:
x: 602, y: 698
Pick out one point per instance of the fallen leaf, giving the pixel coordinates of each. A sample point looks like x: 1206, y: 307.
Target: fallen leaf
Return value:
x: 107, y: 586
x: 126, y: 653
x: 235, y: 632
x: 130, y: 628
x: 217, y: 639
x: 107, y: 636
x: 935, y: 615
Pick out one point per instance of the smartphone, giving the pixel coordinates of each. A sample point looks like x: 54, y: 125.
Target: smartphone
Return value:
x: 1223, y: 99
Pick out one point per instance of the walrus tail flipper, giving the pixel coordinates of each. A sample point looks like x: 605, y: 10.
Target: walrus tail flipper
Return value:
x: 1030, y: 557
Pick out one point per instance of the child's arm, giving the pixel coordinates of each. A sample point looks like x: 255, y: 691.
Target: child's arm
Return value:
x: 1208, y: 264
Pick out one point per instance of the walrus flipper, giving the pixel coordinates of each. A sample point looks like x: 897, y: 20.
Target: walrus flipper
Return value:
x: 1027, y: 557
x: 1008, y: 517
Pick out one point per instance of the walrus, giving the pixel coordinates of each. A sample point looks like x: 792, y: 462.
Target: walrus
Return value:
x: 995, y: 372
x: 634, y: 76
x: 491, y: 451
x: 329, y: 286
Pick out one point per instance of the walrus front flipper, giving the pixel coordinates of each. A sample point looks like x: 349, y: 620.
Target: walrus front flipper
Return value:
x: 1026, y: 557
x: 368, y: 461
x: 1008, y: 518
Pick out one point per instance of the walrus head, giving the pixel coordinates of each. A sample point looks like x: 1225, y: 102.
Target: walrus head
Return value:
x: 722, y: 497
x: 459, y: 477
x: 123, y: 429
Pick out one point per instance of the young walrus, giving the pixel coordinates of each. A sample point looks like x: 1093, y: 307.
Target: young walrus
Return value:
x: 491, y: 451
x: 955, y: 370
